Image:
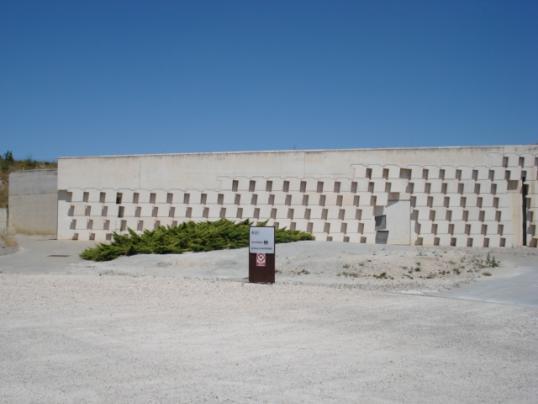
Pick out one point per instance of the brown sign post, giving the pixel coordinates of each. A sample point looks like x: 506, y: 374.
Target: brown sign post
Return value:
x: 261, y: 255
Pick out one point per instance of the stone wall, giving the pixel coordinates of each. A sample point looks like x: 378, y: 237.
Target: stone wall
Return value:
x: 33, y: 202
x: 467, y: 197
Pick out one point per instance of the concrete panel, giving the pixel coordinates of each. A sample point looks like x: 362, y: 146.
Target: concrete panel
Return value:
x: 33, y: 202
x: 3, y: 220
x: 398, y: 222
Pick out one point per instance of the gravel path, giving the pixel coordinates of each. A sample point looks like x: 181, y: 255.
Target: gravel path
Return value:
x: 88, y: 338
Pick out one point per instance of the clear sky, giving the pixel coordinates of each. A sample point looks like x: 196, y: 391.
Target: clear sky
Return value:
x: 113, y: 77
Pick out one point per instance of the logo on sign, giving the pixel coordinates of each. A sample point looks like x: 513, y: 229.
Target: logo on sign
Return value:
x: 260, y: 260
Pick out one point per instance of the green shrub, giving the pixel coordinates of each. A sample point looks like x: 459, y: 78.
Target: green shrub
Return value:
x: 188, y: 236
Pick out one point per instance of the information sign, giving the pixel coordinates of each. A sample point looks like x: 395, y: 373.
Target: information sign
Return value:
x: 261, y: 261
x: 262, y: 240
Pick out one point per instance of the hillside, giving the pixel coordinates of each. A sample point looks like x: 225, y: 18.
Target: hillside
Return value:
x: 8, y: 164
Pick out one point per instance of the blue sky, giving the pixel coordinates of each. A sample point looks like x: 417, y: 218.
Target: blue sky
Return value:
x: 112, y: 77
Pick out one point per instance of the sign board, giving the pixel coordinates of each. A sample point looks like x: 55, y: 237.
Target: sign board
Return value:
x: 261, y: 261
x: 262, y: 240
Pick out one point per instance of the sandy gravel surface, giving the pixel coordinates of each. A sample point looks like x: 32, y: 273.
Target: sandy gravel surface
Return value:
x: 395, y: 268
x: 85, y: 338
x: 187, y: 328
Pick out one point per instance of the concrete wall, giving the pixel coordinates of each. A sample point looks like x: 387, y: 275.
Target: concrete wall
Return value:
x: 456, y: 196
x: 3, y: 220
x: 33, y: 202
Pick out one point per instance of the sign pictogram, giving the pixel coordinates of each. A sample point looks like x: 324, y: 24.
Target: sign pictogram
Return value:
x: 260, y: 260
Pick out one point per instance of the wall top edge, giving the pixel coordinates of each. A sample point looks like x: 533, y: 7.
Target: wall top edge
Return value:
x: 38, y: 170
x: 290, y: 151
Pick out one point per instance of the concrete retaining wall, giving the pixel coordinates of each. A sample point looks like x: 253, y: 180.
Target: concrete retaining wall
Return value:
x: 33, y: 202
x: 455, y: 196
x: 3, y: 220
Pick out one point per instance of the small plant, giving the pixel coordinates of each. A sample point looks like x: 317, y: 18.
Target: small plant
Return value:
x: 491, y: 262
x: 349, y: 274
x: 382, y: 275
x: 486, y: 273
x: 345, y: 266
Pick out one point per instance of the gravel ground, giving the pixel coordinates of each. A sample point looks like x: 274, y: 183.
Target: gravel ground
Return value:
x: 189, y: 329
x: 391, y: 268
x: 68, y: 338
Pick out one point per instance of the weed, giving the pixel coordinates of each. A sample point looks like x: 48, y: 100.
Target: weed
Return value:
x: 345, y: 266
x: 491, y: 262
x: 486, y: 273
x: 349, y: 274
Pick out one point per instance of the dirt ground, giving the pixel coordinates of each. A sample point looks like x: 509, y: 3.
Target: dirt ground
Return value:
x: 189, y: 329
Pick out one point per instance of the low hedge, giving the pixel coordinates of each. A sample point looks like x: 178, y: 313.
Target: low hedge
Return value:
x: 188, y: 236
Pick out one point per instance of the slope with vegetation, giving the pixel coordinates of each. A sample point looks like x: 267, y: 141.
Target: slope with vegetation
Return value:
x: 9, y: 164
x: 188, y: 236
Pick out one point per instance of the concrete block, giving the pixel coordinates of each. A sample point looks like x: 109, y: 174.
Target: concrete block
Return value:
x: 377, y: 171
x: 450, y: 172
x: 435, y: 186
x: 444, y: 239
x: 359, y: 171
x: 464, y: 173
x: 433, y: 172
x: 427, y: 239
x: 481, y: 173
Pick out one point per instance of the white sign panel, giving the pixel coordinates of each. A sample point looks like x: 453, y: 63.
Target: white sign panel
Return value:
x: 262, y: 240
